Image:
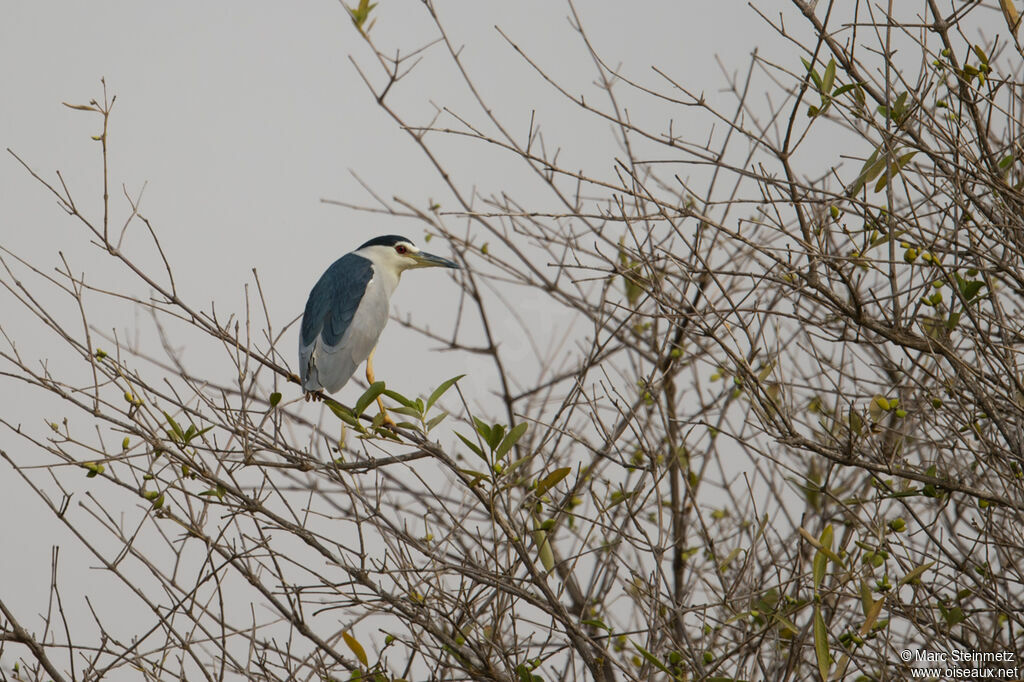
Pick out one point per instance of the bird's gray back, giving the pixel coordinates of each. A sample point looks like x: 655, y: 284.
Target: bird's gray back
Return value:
x: 332, y: 305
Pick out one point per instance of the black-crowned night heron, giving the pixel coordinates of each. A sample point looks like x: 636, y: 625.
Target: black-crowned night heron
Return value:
x: 348, y: 309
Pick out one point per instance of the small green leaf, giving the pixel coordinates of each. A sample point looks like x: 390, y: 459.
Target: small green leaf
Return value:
x: 407, y: 411
x: 652, y: 659
x: 870, y: 170
x: 821, y: 644
x: 514, y: 434
x: 440, y: 390
x: 435, y: 420
x: 829, y: 79
x: 856, y: 422
x: 552, y: 479
x: 356, y: 647
x: 867, y: 600
x: 94, y: 469
x: 953, y: 616
x: 497, y: 434
x: 483, y: 429
x: 915, y: 575
x: 544, y: 552
x: 275, y: 398
x: 371, y: 394
x: 596, y: 623
x: 401, y: 400
x: 177, y: 433
x: 843, y: 89
x: 820, y: 563
x: 903, y: 159
x: 217, y: 492
x: 878, y: 407
x: 814, y: 542
x: 618, y: 497
x: 344, y: 414
x: 969, y: 288
x: 472, y: 446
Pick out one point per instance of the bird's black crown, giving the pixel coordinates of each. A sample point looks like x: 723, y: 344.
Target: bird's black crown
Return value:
x: 385, y: 240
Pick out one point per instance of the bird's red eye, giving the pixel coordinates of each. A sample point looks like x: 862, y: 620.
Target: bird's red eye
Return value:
x: 401, y: 248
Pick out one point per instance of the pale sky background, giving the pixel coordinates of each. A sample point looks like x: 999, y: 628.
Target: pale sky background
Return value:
x: 241, y: 116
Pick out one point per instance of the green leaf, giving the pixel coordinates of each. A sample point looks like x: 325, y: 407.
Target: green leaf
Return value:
x: 867, y: 600
x: 401, y: 399
x: 903, y: 159
x: 497, y: 434
x: 360, y: 13
x: 650, y: 658
x: 596, y: 623
x: 813, y: 74
x: 472, y: 446
x: 477, y: 476
x: 94, y: 469
x: 820, y: 563
x: 821, y: 644
x: 870, y: 170
x: 878, y: 407
x: 829, y: 79
x: 968, y: 288
x: 407, y: 411
x: 484, y: 429
x: 178, y: 434
x: 952, y: 616
x: 440, y: 390
x: 356, y: 647
x: 833, y: 557
x: 843, y: 89
x: 436, y: 419
x: 519, y: 462
x: 899, y: 107
x: 856, y: 422
x: 344, y: 414
x: 544, y: 553
x: 155, y: 497
x: 217, y: 492
x: 981, y: 54
x: 371, y: 394
x: 275, y: 398
x: 915, y: 575
x: 552, y: 479
x: 618, y: 497
x: 514, y: 434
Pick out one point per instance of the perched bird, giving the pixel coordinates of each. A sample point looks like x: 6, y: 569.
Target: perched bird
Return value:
x: 348, y: 308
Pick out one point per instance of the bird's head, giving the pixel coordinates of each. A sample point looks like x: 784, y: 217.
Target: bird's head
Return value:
x: 398, y: 254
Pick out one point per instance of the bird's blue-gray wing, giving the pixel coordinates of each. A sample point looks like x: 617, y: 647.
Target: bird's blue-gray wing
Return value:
x: 330, y: 346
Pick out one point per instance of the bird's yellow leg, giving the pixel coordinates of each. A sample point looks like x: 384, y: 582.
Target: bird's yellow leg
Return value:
x: 370, y: 378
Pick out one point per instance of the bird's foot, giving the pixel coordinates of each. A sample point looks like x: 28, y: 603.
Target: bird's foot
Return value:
x: 315, y: 396
x: 387, y: 420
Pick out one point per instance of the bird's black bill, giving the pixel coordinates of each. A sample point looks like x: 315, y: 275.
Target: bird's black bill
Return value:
x: 429, y: 260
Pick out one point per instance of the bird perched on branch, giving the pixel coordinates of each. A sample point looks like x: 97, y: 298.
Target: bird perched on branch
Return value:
x: 348, y: 309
